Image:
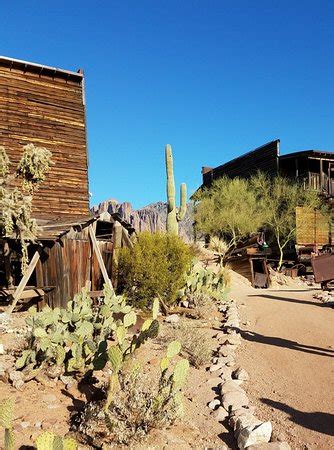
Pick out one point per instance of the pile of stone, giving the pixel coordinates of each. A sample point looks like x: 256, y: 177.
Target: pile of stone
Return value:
x: 232, y: 404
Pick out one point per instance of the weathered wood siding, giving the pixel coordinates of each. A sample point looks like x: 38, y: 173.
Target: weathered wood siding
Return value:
x: 312, y: 227
x: 264, y: 158
x: 47, y: 109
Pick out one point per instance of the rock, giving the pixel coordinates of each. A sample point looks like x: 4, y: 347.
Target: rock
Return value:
x: 254, y: 435
x: 16, y: 378
x: 270, y: 446
x: 2, y: 350
x: 214, y: 404
x: 230, y: 386
x: 239, y: 412
x: 67, y: 380
x: 227, y: 350
x: 173, y: 318
x: 19, y: 385
x: 185, y: 304
x: 245, y: 420
x: 15, y: 375
x: 225, y: 373
x: 220, y: 414
x: 38, y: 425
x: 215, y: 367
x: 25, y: 425
x: 240, y: 374
x: 233, y: 339
x: 234, y: 400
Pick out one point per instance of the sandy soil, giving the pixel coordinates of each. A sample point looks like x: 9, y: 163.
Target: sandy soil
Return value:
x: 38, y: 407
x: 288, y: 350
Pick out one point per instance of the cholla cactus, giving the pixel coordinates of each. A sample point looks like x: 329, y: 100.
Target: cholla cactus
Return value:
x: 16, y: 203
x: 174, y: 214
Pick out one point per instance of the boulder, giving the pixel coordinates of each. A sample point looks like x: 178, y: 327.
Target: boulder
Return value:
x: 234, y: 400
x: 220, y: 414
x: 173, y: 318
x: 250, y: 435
x: 230, y: 386
x: 215, y: 367
x: 240, y: 374
x: 214, y: 404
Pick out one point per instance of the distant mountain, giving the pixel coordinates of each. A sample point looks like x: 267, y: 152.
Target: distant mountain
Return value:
x: 150, y: 218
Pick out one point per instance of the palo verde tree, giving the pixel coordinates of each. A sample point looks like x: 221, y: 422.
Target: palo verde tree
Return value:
x: 278, y: 199
x: 228, y: 210
x: 16, y: 194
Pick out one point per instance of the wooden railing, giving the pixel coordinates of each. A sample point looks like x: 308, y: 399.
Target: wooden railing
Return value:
x: 315, y: 182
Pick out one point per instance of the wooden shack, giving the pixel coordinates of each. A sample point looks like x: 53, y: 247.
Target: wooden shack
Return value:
x: 249, y: 259
x: 46, y: 106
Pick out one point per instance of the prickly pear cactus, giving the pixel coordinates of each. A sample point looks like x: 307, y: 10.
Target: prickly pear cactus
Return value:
x: 51, y: 441
x: 6, y: 418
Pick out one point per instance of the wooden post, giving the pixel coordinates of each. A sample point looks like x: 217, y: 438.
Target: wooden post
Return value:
x: 99, y: 257
x: 23, y: 282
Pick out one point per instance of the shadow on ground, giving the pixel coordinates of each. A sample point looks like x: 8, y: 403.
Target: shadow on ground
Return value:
x: 252, y: 336
x: 284, y: 299
x: 316, y: 421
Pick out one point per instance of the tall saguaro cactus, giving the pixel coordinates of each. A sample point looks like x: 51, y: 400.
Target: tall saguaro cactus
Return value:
x: 174, y: 214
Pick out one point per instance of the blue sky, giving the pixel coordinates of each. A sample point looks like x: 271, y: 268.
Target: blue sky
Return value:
x: 212, y: 78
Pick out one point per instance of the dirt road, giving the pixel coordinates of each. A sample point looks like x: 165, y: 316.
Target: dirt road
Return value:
x: 288, y: 350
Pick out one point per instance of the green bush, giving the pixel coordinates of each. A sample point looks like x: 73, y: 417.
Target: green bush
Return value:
x: 155, y: 266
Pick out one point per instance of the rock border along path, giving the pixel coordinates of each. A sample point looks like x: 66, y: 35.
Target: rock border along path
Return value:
x: 232, y: 403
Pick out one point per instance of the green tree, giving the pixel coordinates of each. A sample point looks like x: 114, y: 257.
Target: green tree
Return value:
x: 278, y: 198
x: 228, y: 209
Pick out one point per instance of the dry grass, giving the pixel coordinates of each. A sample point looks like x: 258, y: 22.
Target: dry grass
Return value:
x: 196, y: 344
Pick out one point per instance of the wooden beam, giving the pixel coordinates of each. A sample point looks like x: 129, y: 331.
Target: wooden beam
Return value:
x: 99, y: 257
x: 20, y: 288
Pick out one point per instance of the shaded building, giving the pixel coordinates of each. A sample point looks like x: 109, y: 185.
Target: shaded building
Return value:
x: 313, y: 168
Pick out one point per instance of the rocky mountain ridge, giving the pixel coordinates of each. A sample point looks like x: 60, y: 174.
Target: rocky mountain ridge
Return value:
x: 150, y: 218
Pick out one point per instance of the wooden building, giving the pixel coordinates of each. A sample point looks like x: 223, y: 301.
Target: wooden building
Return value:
x: 46, y: 106
x: 312, y: 168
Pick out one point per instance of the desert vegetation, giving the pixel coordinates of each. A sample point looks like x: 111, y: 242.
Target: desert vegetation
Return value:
x: 233, y: 209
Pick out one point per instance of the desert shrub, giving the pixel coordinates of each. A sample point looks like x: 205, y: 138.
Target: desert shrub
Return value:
x: 195, y: 343
x: 139, y: 404
x: 155, y: 266
x: 74, y: 339
x: 204, y: 306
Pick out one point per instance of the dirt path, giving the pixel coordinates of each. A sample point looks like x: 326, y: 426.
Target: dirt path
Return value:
x: 288, y: 350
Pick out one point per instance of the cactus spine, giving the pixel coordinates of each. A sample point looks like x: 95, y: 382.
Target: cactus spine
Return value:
x: 174, y: 215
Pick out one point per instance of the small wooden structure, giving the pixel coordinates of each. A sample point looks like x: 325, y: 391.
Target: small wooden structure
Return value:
x: 46, y: 106
x: 249, y: 259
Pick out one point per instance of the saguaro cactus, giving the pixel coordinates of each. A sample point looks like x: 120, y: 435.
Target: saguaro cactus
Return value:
x: 174, y: 214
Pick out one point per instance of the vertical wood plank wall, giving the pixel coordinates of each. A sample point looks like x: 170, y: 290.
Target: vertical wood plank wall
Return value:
x: 68, y: 265
x: 48, y: 110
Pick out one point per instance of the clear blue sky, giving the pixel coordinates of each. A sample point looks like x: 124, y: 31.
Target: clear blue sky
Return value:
x: 214, y: 78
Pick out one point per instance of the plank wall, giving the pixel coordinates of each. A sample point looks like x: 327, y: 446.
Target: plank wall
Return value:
x: 48, y: 110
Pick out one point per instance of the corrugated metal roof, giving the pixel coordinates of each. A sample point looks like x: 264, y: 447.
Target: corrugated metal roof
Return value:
x: 39, y: 68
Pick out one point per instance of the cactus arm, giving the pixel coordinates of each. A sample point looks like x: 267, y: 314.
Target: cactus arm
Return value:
x: 183, y: 202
